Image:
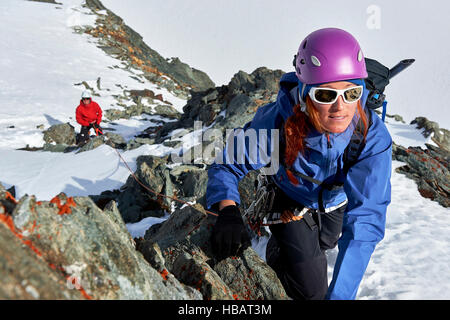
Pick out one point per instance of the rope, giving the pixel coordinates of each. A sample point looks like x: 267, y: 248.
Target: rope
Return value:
x: 156, y: 193
x: 254, y: 227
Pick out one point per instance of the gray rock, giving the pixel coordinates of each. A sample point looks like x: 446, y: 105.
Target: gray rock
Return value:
x: 429, y: 168
x: 167, y: 111
x: 63, y: 133
x: 115, y: 114
x: 440, y: 136
x: 92, y: 144
x: 192, y: 185
x: 137, y: 142
x: 25, y: 275
x: 137, y: 202
x: 239, y: 99
x: 115, y: 140
x: 71, y: 238
x: 55, y: 147
x: 184, y: 243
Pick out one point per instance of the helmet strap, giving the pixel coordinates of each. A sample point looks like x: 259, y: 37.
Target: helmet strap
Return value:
x: 302, y: 102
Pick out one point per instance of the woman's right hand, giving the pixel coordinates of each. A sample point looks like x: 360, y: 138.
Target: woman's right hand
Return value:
x: 229, y: 235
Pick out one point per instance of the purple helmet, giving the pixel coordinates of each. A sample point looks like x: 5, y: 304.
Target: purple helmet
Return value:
x: 328, y: 55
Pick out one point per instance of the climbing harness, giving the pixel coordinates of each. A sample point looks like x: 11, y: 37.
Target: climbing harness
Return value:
x: 261, y: 212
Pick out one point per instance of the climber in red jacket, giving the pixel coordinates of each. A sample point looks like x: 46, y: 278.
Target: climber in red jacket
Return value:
x: 89, y: 115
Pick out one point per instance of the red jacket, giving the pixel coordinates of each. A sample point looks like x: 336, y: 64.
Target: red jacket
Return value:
x: 86, y: 114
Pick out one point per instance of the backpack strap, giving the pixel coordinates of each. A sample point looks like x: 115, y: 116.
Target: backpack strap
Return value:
x: 357, y: 143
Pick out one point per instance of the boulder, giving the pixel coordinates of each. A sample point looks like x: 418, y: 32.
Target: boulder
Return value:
x: 137, y: 202
x: 181, y: 245
x: 68, y: 248
x: 439, y: 136
x: 63, y: 133
x: 429, y: 168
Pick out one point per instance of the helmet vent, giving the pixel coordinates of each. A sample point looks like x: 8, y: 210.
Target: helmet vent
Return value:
x: 315, y: 61
x: 304, y: 45
x: 360, y: 55
x: 302, y: 61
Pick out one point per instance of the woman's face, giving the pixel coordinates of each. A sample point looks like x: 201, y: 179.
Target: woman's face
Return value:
x: 336, y: 117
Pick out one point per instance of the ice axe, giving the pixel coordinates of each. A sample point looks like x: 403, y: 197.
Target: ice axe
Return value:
x: 97, y: 129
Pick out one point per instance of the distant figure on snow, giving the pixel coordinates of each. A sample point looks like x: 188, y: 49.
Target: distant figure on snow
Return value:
x: 89, y: 115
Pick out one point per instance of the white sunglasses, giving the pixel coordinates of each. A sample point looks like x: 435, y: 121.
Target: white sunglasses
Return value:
x: 329, y: 95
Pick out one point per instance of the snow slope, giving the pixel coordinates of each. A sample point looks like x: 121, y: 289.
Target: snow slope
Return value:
x: 41, y: 61
x: 42, y: 58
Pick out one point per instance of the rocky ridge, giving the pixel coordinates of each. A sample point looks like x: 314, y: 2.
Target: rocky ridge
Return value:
x: 68, y: 248
x: 429, y: 167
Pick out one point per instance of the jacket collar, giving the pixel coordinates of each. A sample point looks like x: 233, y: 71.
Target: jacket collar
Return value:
x: 288, y: 97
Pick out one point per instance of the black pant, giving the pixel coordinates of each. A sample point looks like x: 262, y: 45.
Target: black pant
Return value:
x: 296, y: 251
x: 84, y: 134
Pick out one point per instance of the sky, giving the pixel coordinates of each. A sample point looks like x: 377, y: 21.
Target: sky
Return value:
x: 223, y: 37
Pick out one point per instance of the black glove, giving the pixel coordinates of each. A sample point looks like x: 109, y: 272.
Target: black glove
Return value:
x: 229, y: 236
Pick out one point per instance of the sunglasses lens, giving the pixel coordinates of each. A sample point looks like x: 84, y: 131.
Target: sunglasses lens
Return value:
x: 325, y: 96
x: 353, y: 94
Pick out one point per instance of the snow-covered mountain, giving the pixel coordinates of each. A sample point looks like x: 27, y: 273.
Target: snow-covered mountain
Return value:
x: 50, y: 53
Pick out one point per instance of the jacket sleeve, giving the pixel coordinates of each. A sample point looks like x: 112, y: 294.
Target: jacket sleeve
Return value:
x: 368, y: 191
x: 249, y: 148
x: 99, y: 115
x: 80, y: 118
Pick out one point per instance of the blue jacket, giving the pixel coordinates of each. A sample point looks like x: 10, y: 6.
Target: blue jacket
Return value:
x: 366, y: 186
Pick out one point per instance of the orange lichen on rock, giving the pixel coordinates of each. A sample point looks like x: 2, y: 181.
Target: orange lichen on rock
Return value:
x: 9, y: 223
x: 7, y: 220
x: 164, y: 274
x: 64, y: 208
x: 10, y: 197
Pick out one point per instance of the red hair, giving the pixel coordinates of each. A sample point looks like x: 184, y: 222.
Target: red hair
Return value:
x: 297, y: 128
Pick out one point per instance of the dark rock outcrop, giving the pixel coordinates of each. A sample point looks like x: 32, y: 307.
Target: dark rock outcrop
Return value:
x: 181, y: 245
x: 230, y: 106
x: 63, y: 133
x: 438, y: 135
x: 121, y: 41
x: 428, y: 168
x: 68, y: 248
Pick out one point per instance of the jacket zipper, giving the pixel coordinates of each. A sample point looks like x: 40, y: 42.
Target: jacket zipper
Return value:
x: 328, y: 141
x: 328, y: 162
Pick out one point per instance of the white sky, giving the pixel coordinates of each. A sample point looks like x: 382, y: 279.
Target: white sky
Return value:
x: 223, y: 37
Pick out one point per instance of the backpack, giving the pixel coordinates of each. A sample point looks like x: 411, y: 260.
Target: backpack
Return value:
x: 377, y: 80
